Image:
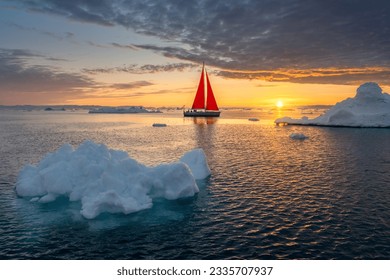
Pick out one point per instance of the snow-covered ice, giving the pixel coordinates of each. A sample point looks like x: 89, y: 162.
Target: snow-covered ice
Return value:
x: 369, y: 108
x: 196, y: 161
x: 107, y: 180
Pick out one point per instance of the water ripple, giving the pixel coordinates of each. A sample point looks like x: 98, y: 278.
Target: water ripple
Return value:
x: 269, y: 197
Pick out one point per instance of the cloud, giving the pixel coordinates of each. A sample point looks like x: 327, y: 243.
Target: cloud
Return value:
x: 268, y: 85
x: 23, y: 83
x: 131, y: 47
x: 36, y: 84
x: 133, y: 85
x: 343, y: 76
x: 141, y: 69
x: 97, y: 45
x: 109, y: 95
x: 93, y: 11
x: 250, y: 35
x: 60, y: 37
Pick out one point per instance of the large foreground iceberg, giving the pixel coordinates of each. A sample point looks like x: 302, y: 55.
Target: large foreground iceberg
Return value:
x: 369, y: 108
x: 107, y: 180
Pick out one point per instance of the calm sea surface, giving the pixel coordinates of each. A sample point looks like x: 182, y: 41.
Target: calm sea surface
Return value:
x: 269, y: 197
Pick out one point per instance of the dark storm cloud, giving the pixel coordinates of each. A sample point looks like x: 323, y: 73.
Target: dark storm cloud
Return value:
x: 250, y: 35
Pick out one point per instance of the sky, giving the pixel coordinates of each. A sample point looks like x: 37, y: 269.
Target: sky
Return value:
x: 150, y: 53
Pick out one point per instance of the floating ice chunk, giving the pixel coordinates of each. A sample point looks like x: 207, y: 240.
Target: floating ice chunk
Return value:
x: 369, y: 108
x: 107, y: 180
x: 298, y: 136
x: 159, y: 125
x: 196, y: 161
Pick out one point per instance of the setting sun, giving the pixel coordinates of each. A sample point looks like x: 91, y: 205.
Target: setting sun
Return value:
x: 279, y: 103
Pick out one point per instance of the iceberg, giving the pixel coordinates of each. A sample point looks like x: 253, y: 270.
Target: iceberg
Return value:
x: 196, y: 161
x: 369, y: 108
x: 107, y: 180
x: 298, y: 136
x: 122, y: 110
x: 159, y: 125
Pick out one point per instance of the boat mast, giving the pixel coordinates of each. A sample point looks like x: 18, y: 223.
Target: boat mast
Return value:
x: 205, y: 87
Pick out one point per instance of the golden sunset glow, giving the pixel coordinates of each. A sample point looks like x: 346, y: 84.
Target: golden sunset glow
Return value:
x: 279, y: 103
x: 167, y: 91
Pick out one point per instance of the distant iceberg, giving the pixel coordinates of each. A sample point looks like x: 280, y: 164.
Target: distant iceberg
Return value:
x: 298, y: 136
x: 369, y: 108
x: 106, y: 180
x: 122, y: 110
x: 159, y: 125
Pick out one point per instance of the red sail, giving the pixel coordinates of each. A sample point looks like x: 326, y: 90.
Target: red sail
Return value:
x: 199, y: 97
x: 211, y: 103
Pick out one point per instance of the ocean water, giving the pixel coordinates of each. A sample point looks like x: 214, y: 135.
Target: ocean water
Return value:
x: 269, y: 196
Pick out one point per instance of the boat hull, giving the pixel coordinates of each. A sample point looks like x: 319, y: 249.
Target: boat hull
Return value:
x: 201, y: 113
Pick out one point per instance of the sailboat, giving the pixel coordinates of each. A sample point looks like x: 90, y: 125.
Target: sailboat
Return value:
x: 204, y: 104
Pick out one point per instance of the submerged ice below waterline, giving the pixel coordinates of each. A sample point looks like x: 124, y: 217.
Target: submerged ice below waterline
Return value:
x: 107, y: 180
x: 369, y: 108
